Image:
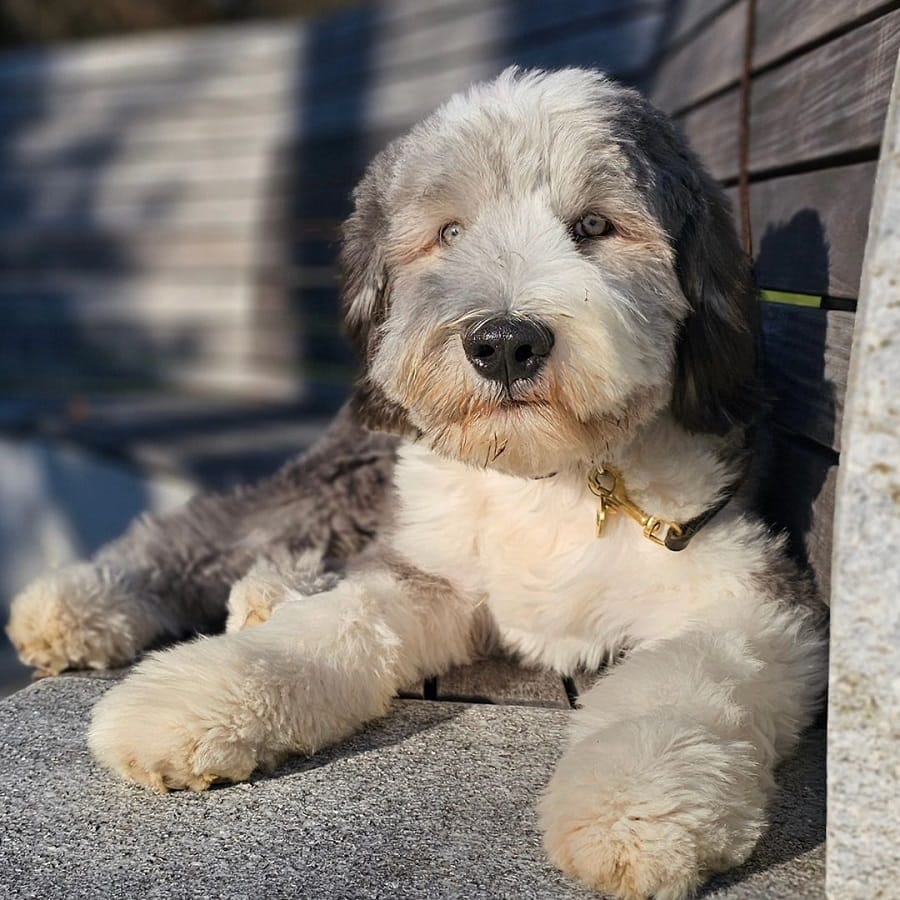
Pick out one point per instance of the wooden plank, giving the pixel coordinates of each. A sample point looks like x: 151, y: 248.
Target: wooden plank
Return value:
x: 713, y: 132
x: 690, y: 16
x: 30, y: 356
x: 61, y: 231
x: 175, y: 374
x: 499, y: 680
x: 164, y: 210
x: 78, y: 67
x: 830, y: 101
x: 797, y: 496
x: 809, y: 230
x: 621, y: 51
x: 807, y: 354
x: 707, y: 63
x: 132, y: 163
x: 200, y: 257
x: 93, y: 302
x: 784, y: 26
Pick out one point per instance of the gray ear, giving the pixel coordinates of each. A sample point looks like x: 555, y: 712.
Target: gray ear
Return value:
x: 715, y: 386
x: 716, y: 377
x: 366, y: 294
x: 363, y: 269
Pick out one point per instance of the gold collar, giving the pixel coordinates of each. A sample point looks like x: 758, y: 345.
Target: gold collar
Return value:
x: 608, y: 485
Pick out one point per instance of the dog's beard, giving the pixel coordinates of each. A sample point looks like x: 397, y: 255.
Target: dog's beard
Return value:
x: 524, y: 432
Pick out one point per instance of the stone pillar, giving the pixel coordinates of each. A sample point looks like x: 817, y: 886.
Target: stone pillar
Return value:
x: 864, y: 707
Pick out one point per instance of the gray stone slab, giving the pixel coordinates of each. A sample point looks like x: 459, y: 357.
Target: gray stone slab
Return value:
x: 501, y: 680
x: 864, y: 681
x: 435, y: 801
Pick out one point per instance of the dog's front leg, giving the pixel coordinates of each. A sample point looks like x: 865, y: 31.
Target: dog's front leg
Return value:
x: 219, y: 708
x: 670, y: 766
x: 169, y: 576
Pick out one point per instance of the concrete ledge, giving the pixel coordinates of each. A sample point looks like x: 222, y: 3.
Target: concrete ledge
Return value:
x: 435, y: 801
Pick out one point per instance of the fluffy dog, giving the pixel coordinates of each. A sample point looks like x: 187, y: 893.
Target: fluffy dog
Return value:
x: 557, y: 320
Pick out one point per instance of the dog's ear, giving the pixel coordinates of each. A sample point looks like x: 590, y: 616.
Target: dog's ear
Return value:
x: 716, y: 378
x: 366, y: 294
x: 715, y: 385
x: 363, y: 269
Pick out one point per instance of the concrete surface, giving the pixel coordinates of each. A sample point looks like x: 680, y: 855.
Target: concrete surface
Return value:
x: 864, y: 684
x: 435, y: 801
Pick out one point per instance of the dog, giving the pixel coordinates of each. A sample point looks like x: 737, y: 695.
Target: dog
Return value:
x: 558, y: 333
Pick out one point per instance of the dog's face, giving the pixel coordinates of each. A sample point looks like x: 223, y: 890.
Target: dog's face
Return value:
x: 539, y: 269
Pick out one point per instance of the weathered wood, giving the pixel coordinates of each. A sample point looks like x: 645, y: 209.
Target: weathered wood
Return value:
x: 707, y: 63
x: 809, y: 230
x: 621, y: 50
x: 797, y: 496
x: 689, y: 17
x: 830, y: 101
x: 390, y: 104
x: 807, y: 353
x: 200, y: 257
x: 90, y: 198
x: 783, y: 26
x: 499, y: 680
x: 194, y: 226
x: 712, y: 129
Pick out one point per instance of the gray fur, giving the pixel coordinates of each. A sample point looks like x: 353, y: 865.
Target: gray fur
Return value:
x: 329, y: 499
x: 716, y: 384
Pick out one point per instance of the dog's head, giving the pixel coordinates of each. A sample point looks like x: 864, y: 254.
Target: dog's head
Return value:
x: 539, y: 269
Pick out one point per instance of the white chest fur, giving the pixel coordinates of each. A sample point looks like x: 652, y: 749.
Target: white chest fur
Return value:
x: 559, y: 595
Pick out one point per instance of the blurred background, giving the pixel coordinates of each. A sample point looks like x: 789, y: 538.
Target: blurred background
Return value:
x: 173, y: 174
x: 172, y: 177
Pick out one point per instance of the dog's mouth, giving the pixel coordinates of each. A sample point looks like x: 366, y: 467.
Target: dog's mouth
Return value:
x: 509, y: 402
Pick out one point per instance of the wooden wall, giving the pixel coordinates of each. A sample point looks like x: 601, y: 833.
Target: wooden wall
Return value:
x: 169, y: 204
x: 821, y: 77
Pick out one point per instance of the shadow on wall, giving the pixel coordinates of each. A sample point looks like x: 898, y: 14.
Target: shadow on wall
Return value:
x: 800, y: 466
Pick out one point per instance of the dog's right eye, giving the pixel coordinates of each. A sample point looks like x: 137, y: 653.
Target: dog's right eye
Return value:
x: 449, y: 233
x: 591, y: 225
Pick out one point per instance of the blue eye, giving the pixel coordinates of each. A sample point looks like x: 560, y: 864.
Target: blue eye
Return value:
x: 591, y: 225
x: 449, y: 233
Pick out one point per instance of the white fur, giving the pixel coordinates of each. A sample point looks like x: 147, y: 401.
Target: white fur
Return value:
x: 85, y: 617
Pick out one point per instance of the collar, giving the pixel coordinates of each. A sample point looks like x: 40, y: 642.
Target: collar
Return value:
x: 608, y: 485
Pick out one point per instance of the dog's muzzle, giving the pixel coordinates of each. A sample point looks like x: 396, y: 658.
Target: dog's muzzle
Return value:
x: 508, y: 349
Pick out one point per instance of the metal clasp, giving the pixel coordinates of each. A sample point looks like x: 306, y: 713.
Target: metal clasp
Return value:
x: 608, y: 486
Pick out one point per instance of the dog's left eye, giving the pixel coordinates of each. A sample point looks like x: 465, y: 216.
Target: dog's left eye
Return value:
x: 449, y: 233
x: 591, y: 225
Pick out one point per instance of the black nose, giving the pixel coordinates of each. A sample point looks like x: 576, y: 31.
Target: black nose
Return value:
x: 507, y: 349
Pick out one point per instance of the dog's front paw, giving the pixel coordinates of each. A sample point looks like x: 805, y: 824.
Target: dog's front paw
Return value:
x: 81, y: 617
x: 272, y: 581
x: 179, y: 721
x: 651, y: 809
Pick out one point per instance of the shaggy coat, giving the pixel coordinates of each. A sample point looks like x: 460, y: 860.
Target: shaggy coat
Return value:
x: 547, y: 292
